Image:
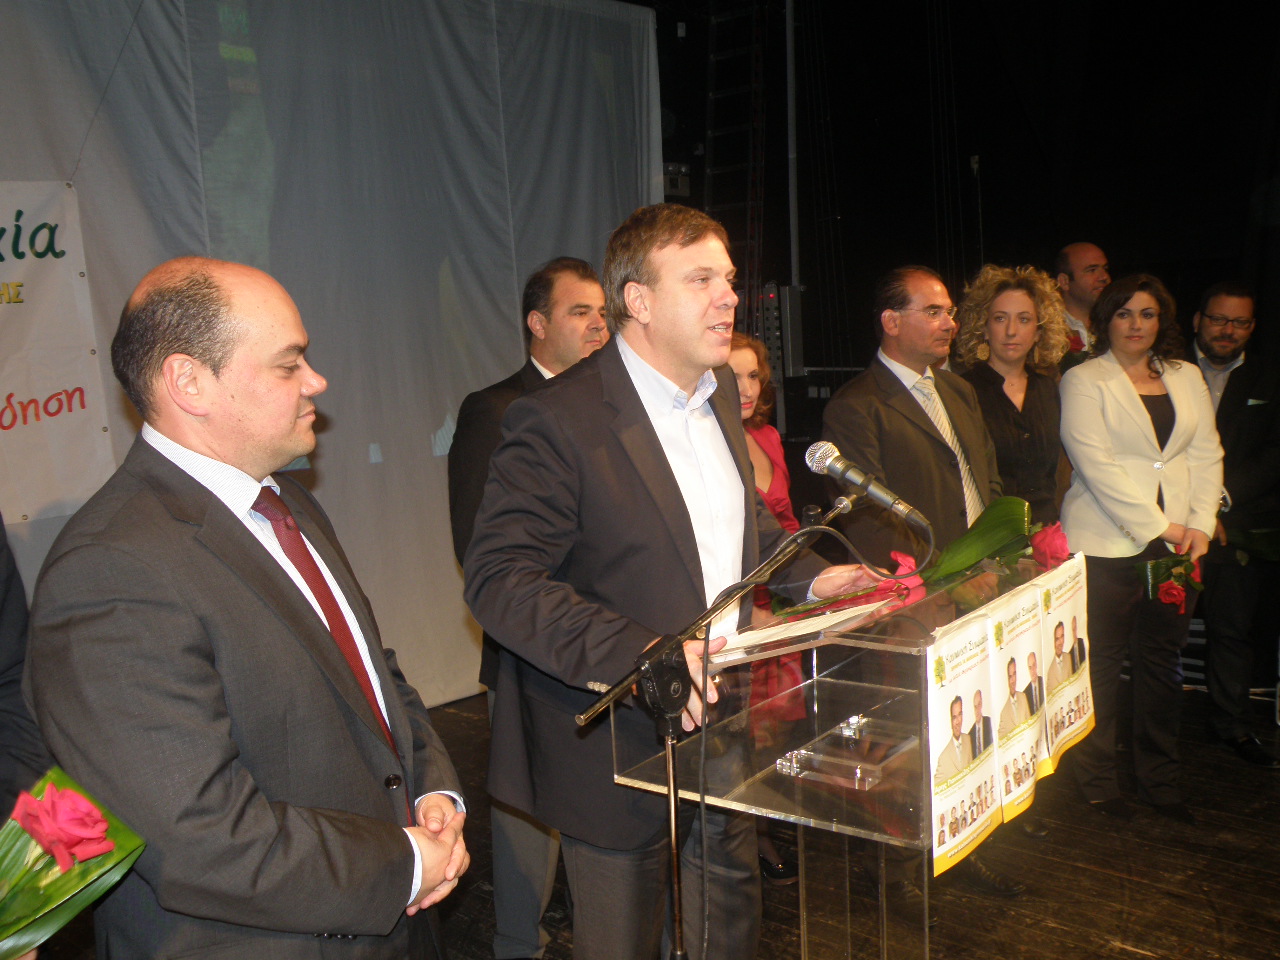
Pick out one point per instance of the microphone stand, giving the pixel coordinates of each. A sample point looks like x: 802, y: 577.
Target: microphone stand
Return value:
x: 663, y: 676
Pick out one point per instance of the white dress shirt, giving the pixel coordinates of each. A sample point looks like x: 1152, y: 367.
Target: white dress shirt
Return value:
x: 1080, y: 329
x: 709, y: 482
x: 1215, y: 376
x: 546, y: 374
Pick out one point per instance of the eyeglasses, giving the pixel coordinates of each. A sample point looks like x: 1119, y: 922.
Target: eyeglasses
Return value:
x: 1240, y: 323
x: 933, y: 313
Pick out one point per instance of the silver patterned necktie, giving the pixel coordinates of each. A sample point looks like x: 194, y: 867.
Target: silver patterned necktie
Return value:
x: 925, y: 391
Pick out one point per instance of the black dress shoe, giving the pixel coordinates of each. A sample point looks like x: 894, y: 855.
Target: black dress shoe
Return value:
x: 973, y: 870
x: 1033, y: 826
x: 1250, y: 750
x: 781, y: 873
x: 1116, y: 807
x: 906, y: 903
x: 1176, y: 811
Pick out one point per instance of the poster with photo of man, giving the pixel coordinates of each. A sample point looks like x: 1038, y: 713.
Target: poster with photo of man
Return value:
x: 962, y: 737
x: 1018, y: 635
x: 1068, y: 692
x: 1008, y: 666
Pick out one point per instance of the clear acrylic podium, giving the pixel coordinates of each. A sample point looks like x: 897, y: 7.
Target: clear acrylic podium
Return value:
x: 840, y: 753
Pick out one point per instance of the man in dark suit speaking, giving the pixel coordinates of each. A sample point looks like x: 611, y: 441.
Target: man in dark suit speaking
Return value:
x: 203, y: 660
x: 563, y: 306
x: 619, y: 504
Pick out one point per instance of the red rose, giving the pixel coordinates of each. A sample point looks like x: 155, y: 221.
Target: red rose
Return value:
x: 65, y: 824
x: 1195, y: 572
x: 1170, y: 592
x: 1075, y: 343
x: 1049, y: 546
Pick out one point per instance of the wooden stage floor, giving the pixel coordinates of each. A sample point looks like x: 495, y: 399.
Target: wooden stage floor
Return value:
x: 1152, y: 889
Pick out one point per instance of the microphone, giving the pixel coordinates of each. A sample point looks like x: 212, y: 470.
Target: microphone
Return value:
x: 824, y: 457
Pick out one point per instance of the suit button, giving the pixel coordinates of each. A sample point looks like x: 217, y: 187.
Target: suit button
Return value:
x: 392, y: 781
x: 1159, y: 464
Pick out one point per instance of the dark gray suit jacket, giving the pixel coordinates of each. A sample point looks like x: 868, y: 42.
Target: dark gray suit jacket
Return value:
x: 182, y: 678
x: 881, y: 427
x: 477, y: 435
x: 22, y: 755
x: 583, y: 554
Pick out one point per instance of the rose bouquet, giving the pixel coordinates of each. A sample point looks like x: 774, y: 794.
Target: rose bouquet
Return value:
x: 1169, y: 578
x: 58, y: 854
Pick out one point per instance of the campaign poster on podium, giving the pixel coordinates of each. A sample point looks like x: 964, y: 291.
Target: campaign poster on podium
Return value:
x: 1017, y: 633
x: 1069, y: 695
x: 1009, y: 692
x: 966, y: 805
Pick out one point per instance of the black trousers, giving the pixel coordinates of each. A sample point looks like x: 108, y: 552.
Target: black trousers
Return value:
x: 620, y: 897
x: 1125, y: 625
x: 1229, y: 606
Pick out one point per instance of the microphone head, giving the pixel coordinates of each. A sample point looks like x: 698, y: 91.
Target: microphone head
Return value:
x: 821, y: 454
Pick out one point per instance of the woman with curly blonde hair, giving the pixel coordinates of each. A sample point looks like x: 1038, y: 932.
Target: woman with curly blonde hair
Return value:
x: 1013, y: 332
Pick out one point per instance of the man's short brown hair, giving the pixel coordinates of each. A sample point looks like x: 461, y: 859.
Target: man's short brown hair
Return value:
x: 189, y: 314
x: 626, y: 258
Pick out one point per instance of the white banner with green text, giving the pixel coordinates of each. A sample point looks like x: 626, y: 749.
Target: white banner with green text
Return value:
x: 54, y: 448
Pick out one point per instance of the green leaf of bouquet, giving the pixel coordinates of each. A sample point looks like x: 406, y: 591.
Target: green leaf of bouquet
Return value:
x: 995, y: 533
x: 46, y: 901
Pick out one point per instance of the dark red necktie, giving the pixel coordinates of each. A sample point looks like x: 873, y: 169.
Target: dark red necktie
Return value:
x: 270, y: 505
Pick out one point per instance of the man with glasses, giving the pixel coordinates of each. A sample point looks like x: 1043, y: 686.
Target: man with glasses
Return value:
x: 1242, y: 556
x: 920, y: 432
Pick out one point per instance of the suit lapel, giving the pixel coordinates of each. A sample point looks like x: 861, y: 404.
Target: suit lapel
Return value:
x: 899, y: 398
x: 1117, y: 384
x: 1183, y: 398
x: 963, y: 426
x: 226, y: 537
x: 530, y: 376
x: 726, y: 405
x: 1235, y: 397
x: 639, y: 440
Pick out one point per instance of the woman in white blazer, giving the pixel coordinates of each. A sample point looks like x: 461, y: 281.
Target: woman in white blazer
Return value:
x: 1138, y: 427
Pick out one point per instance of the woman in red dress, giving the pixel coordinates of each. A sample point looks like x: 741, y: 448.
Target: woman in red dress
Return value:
x: 750, y: 364
x: 769, y: 678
